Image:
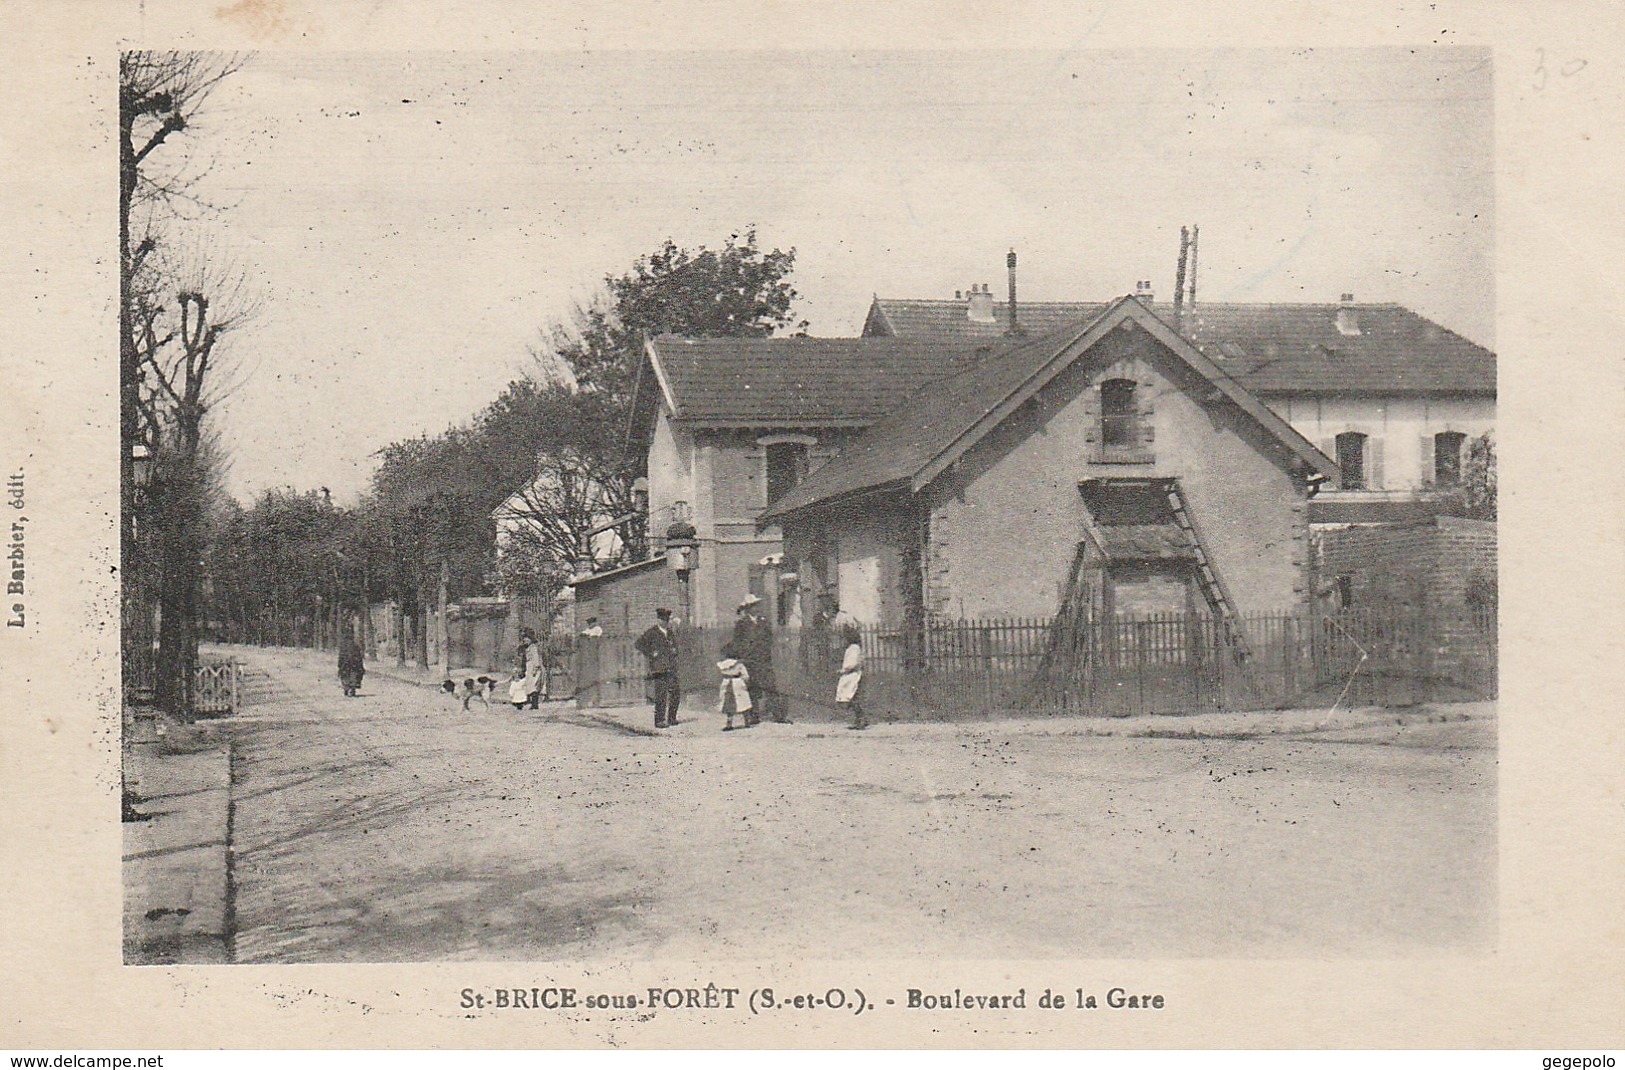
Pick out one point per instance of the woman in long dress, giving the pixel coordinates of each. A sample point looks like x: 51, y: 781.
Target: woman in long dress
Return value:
x: 526, y: 687
x: 849, y: 688
x: 351, y: 665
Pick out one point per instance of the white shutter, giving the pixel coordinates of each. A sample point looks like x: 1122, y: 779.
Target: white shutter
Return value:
x: 1373, y: 463
x: 1425, y: 452
x: 1148, y: 412
x: 1328, y: 446
x: 1091, y: 421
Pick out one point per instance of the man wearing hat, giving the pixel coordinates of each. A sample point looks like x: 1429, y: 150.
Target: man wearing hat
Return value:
x: 753, y: 641
x: 659, y: 646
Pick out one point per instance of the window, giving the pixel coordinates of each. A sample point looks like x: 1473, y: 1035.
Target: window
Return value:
x: 1447, y: 458
x: 1119, y: 414
x: 786, y: 468
x: 1351, y: 460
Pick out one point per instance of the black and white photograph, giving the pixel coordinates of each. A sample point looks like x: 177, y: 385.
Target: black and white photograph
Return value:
x: 579, y: 507
x: 1071, y: 479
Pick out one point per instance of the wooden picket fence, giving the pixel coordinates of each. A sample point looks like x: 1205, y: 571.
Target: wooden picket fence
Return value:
x: 1121, y: 667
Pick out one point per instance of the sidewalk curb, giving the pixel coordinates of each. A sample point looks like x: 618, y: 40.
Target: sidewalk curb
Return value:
x: 176, y: 864
x: 1233, y: 726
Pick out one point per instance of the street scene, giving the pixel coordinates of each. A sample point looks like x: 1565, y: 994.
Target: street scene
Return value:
x: 586, y: 510
x: 399, y: 828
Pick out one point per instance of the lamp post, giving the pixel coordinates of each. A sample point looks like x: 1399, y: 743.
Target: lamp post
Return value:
x: 140, y: 466
x: 136, y: 611
x: 683, y: 557
x: 137, y: 467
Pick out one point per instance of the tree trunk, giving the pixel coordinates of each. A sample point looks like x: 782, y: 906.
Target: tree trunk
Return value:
x: 181, y: 534
x: 443, y: 629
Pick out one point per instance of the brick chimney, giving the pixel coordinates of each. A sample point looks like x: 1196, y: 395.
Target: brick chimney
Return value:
x: 1348, y: 316
x: 1142, y: 291
x: 980, y: 308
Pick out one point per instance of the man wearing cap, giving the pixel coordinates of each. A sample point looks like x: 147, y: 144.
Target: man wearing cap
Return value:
x: 753, y: 640
x: 659, y: 646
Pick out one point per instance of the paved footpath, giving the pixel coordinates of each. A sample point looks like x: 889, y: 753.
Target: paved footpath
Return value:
x: 396, y: 827
x: 176, y: 890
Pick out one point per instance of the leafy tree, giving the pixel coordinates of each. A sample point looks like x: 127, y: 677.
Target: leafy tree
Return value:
x: 548, y: 449
x: 570, y: 416
x: 1478, y: 478
x: 737, y: 291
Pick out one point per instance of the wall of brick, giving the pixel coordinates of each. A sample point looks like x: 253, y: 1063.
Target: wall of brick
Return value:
x: 625, y: 602
x: 1429, y: 566
x: 727, y: 493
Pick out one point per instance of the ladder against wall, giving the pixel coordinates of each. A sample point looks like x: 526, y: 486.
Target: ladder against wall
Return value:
x: 1207, y: 577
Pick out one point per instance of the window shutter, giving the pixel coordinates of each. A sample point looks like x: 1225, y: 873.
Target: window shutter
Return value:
x: 1328, y: 446
x: 1373, y: 463
x: 1426, y: 453
x: 1148, y: 410
x: 1091, y: 417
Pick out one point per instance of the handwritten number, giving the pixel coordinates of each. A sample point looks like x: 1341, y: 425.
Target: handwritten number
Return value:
x: 1569, y: 69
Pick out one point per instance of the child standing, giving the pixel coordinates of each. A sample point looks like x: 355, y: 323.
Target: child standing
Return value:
x: 849, y: 689
x: 734, y: 695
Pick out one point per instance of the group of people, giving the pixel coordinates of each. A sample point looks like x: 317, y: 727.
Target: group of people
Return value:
x: 749, y: 690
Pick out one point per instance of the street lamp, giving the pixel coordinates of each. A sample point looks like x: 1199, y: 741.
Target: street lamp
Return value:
x: 683, y: 557
x: 140, y: 465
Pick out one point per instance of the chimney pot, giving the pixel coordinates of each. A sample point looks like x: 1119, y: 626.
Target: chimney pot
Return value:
x: 980, y: 309
x: 1142, y: 290
x: 1348, y: 317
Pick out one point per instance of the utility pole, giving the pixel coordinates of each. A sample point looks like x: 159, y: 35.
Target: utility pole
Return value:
x: 1195, y: 231
x: 1179, y: 277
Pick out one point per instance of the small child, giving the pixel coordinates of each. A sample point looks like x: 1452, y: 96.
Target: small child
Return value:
x: 848, y: 690
x: 734, y: 695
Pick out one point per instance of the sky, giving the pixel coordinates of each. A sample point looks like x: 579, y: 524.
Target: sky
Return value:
x: 410, y: 222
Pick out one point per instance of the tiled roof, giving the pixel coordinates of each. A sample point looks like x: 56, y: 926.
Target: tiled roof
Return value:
x: 1271, y: 349
x: 801, y: 381
x: 1146, y: 542
x: 904, y: 318
x: 896, y: 450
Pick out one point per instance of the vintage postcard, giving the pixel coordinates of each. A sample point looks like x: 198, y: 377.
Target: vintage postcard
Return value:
x: 749, y: 526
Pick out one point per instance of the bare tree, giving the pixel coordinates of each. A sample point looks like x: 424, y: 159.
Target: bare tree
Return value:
x: 561, y: 511
x: 167, y: 348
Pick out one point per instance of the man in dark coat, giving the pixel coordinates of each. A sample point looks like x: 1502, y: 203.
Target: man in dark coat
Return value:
x: 659, y: 646
x: 753, y: 639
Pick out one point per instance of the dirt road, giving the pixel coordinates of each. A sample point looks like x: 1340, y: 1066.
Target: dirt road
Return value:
x: 395, y: 827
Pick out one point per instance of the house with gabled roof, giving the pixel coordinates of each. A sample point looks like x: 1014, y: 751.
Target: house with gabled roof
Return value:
x: 730, y: 425
x: 1392, y: 396
x: 1110, y: 465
